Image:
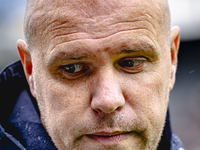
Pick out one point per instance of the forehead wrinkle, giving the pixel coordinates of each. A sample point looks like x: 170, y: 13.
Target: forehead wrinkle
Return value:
x: 79, y: 20
x: 94, y: 27
x: 65, y: 40
x: 65, y: 34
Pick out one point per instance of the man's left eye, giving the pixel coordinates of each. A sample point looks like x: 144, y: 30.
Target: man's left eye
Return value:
x: 131, y: 64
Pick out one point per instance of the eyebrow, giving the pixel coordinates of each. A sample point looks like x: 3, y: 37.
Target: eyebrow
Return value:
x: 142, y: 48
x: 61, y: 56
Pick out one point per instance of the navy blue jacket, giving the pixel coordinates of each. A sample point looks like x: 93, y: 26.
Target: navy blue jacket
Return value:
x: 20, y: 125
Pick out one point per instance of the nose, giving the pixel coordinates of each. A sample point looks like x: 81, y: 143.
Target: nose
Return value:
x: 108, y: 96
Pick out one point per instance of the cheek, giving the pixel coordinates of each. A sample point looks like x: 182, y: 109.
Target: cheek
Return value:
x: 58, y: 99
x: 148, y: 94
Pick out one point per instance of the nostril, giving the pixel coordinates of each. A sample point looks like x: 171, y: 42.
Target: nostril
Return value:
x: 119, y: 108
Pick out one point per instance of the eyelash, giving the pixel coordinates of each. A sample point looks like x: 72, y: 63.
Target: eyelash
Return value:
x: 77, y: 70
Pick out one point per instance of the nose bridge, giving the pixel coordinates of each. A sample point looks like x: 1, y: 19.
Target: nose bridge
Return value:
x: 108, y: 96
x: 109, y: 85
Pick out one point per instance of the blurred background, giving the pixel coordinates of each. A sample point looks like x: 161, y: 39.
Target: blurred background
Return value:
x: 184, y: 98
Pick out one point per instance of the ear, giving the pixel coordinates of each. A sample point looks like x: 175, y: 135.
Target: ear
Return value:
x: 174, y: 45
x: 27, y: 64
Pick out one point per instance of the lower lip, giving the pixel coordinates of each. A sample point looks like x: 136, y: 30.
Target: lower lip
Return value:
x: 109, y: 140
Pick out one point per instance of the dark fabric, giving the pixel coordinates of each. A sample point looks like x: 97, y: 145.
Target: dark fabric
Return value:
x: 20, y: 125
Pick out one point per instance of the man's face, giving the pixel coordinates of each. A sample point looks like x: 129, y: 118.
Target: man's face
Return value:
x: 102, y: 76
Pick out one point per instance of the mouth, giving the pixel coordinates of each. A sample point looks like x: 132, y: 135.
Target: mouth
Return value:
x: 106, y: 138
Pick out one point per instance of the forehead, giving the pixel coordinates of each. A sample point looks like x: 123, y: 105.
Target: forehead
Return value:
x: 67, y: 20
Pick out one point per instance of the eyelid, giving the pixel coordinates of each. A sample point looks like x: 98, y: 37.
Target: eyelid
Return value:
x: 133, y: 58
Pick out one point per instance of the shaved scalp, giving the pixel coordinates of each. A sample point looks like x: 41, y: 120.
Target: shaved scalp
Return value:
x: 40, y: 14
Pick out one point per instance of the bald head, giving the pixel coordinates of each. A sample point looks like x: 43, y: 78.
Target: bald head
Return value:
x: 83, y: 15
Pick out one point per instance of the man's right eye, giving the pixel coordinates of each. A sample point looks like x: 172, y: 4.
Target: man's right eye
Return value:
x: 74, y: 70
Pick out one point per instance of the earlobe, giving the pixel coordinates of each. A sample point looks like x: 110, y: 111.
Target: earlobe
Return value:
x: 174, y: 43
x: 27, y: 63
x: 31, y: 85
